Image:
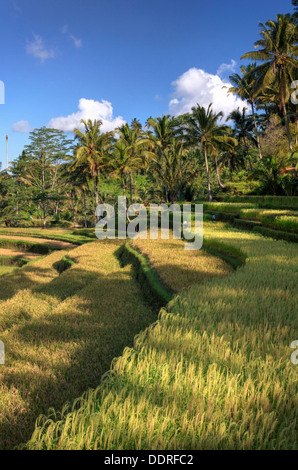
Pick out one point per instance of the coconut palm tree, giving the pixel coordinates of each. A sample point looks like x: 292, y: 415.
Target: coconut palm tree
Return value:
x: 135, y: 142
x: 123, y: 163
x: 78, y: 177
x: 93, y: 149
x: 278, y: 52
x: 174, y: 169
x: 243, y: 126
x: 243, y: 86
x: 165, y: 129
x: 205, y: 133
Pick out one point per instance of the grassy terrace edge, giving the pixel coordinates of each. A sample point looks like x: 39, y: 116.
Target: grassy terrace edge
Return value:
x: 154, y: 290
x: 252, y: 225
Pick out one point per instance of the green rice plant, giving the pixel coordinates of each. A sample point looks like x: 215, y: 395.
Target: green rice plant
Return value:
x: 228, y: 207
x: 285, y: 222
x: 153, y: 289
x: 278, y: 202
x: 276, y: 234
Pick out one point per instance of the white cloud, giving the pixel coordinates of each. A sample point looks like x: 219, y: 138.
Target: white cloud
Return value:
x: 21, y: 126
x: 77, y: 42
x: 38, y: 49
x: 231, y: 68
x: 88, y: 109
x: 199, y: 87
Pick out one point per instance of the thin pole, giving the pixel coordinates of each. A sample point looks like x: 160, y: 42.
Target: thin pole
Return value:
x: 7, y: 152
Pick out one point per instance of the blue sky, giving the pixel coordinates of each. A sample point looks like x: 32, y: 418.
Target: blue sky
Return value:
x: 63, y: 60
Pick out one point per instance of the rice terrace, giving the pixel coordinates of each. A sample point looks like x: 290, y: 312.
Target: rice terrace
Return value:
x: 168, y: 323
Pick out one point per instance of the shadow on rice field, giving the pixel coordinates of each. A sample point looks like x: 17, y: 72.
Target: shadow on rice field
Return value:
x: 61, y: 336
x: 61, y: 332
x: 214, y: 372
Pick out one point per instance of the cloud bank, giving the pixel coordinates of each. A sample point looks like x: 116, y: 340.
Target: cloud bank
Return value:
x: 88, y: 109
x: 195, y: 86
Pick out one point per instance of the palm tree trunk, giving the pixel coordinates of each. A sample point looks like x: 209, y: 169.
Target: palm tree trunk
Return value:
x: 217, y: 174
x: 85, y: 211
x: 96, y: 192
x: 257, y: 131
x: 131, y: 187
x: 283, y: 106
x: 207, y: 172
x: 123, y: 184
x: 287, y: 124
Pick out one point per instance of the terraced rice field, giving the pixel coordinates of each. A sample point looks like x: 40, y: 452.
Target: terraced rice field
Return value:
x: 58, y: 244
x: 213, y: 373
x: 62, y: 332
x: 179, y: 268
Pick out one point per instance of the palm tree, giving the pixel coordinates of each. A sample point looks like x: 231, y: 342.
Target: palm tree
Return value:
x: 243, y: 86
x: 269, y: 172
x: 278, y: 53
x: 93, y: 149
x: 220, y: 149
x: 165, y: 129
x: 123, y: 163
x: 174, y: 169
x: 135, y: 142
x: 78, y: 177
x: 243, y: 126
x: 204, y: 132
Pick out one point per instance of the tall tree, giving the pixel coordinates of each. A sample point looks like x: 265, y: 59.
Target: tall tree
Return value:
x: 278, y: 52
x: 243, y: 86
x: 123, y: 163
x: 93, y: 149
x: 204, y: 132
x: 243, y: 126
x: 174, y: 169
x: 40, y: 167
x: 135, y: 142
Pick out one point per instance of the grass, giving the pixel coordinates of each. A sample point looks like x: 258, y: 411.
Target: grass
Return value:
x: 214, y: 372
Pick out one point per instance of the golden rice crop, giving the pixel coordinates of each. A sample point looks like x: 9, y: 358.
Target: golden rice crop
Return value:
x: 61, y: 332
x: 179, y: 268
x: 213, y: 373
